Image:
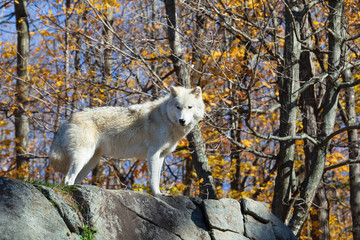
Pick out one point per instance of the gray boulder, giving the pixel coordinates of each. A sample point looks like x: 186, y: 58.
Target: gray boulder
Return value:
x: 26, y: 214
x: 119, y: 214
x: 37, y: 212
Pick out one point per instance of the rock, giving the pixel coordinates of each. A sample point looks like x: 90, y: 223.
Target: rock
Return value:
x: 257, y: 230
x: 221, y: 235
x: 281, y: 231
x: 29, y: 212
x: 224, y: 214
x: 134, y: 215
x: 26, y: 214
x: 259, y: 210
x: 66, y: 211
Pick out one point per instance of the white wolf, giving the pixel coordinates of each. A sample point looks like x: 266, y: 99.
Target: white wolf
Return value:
x: 150, y: 130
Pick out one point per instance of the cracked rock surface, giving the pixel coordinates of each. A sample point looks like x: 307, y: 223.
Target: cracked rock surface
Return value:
x: 38, y: 212
x: 224, y: 218
x: 26, y: 214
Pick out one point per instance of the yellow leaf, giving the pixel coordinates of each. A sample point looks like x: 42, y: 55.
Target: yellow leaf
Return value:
x: 247, y: 143
x: 267, y: 85
x: 98, y: 100
x: 228, y: 102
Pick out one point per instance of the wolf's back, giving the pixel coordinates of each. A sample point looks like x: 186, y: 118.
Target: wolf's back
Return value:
x: 58, y: 156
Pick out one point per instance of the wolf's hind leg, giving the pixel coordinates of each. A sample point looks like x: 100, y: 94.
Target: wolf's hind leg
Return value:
x: 88, y: 167
x: 78, y: 160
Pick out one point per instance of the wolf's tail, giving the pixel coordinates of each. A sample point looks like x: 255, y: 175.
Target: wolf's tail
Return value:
x: 58, y: 156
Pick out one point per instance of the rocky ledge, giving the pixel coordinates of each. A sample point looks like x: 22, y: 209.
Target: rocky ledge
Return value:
x: 30, y: 211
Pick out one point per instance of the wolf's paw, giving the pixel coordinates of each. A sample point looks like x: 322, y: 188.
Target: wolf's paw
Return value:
x: 162, y: 194
x: 166, y: 194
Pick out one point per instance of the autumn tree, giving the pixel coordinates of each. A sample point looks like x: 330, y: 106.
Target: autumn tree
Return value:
x: 354, y: 171
x: 22, y: 88
x: 289, y: 84
x: 107, y: 36
x: 183, y: 73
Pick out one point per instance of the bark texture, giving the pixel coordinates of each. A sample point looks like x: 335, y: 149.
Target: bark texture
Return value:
x: 108, y: 38
x: 289, y: 84
x: 309, y: 103
x: 354, y: 174
x: 22, y: 88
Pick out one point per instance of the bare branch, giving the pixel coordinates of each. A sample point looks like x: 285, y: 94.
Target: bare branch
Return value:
x: 352, y: 37
x: 311, y: 82
x: 328, y: 138
x: 133, y: 54
x: 348, y: 162
x: 229, y: 26
x: 349, y: 84
x: 302, y: 136
x: 240, y: 145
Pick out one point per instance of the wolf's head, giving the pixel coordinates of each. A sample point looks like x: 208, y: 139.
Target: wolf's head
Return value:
x: 186, y: 106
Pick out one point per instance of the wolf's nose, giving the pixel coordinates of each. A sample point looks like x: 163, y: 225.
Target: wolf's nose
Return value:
x: 182, y: 122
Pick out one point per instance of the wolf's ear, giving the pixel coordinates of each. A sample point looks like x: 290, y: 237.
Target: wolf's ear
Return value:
x: 197, y: 92
x: 174, y: 91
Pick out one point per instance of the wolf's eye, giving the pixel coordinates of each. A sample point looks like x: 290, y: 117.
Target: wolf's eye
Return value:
x: 178, y: 107
x: 190, y: 107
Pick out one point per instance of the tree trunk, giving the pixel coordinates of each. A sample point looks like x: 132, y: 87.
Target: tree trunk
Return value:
x: 320, y: 215
x: 328, y: 115
x: 289, y: 84
x: 197, y: 148
x: 108, y: 42
x: 237, y: 182
x: 188, y: 177
x: 22, y: 89
x: 354, y: 175
x: 196, y: 75
x: 182, y: 70
x: 154, y: 33
x: 108, y: 36
x: 67, y: 58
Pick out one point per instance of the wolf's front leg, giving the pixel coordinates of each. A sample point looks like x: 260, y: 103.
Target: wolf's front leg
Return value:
x: 155, y: 163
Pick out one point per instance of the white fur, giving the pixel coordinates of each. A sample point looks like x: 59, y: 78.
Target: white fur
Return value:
x: 150, y: 130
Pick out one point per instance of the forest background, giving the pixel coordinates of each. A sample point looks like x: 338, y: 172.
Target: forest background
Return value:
x: 280, y: 81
